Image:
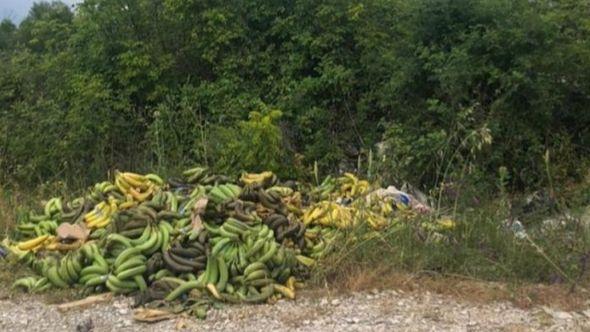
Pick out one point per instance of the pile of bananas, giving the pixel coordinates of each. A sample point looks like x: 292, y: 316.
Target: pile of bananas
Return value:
x: 199, y: 237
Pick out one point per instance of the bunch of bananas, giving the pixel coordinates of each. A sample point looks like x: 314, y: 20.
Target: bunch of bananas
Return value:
x: 73, y: 210
x: 101, y: 215
x: 139, y: 187
x: 35, y: 243
x: 376, y: 213
x: 281, y: 190
x: 440, y: 225
x: 319, y: 242
x: 270, y: 200
x: 224, y: 193
x: 290, y: 232
x: 127, y: 272
x: 329, y: 213
x: 187, y: 255
x: 351, y: 186
x: 375, y: 220
x: 26, y: 257
x: 264, y: 179
x: 96, y: 270
x: 35, y: 229
x: 202, y: 176
x: 63, y: 272
x: 52, y: 207
x: 102, y: 191
x: 196, y: 174
x: 325, y: 190
x: 244, y: 211
x: 32, y: 284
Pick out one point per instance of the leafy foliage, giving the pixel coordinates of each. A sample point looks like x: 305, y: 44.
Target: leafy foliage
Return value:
x: 445, y: 85
x: 256, y: 144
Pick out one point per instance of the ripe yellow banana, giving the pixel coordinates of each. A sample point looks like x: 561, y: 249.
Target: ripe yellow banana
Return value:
x: 141, y: 196
x: 285, y: 291
x: 33, y: 243
x: 127, y: 205
x: 135, y: 180
x: 102, y: 223
x: 122, y: 185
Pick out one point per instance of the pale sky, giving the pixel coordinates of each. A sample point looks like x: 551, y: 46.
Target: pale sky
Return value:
x: 16, y: 10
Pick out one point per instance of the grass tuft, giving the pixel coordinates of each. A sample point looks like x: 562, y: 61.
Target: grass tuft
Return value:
x: 481, y: 248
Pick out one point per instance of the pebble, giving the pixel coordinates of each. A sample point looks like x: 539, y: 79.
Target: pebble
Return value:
x: 562, y: 315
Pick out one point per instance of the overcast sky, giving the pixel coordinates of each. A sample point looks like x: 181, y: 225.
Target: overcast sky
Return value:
x: 16, y: 10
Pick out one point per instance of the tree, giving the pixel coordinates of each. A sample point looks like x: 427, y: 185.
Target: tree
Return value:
x: 7, y: 30
x: 47, y: 27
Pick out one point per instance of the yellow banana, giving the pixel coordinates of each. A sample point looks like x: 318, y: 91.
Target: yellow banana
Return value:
x: 127, y: 205
x: 135, y: 180
x: 134, y: 176
x: 285, y: 291
x: 351, y: 177
x: 33, y: 243
x: 100, y: 220
x: 141, y: 196
x: 121, y: 185
x: 291, y: 283
x: 102, y: 223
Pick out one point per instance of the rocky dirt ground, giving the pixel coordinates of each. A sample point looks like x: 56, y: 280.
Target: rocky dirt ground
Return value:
x: 386, y: 310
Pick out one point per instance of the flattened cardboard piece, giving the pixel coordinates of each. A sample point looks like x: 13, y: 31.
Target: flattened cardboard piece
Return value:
x: 197, y: 210
x: 68, y: 231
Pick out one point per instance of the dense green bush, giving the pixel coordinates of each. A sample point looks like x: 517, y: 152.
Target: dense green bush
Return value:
x: 450, y: 87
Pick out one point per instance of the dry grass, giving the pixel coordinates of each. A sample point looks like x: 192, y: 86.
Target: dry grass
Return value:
x: 7, y: 212
x: 478, y: 291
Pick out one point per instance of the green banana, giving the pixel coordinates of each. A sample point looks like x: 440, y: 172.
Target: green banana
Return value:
x: 254, y: 267
x: 224, y: 232
x: 183, y: 288
x: 93, y: 269
x: 173, y: 265
x: 268, y: 254
x: 256, y: 247
x: 213, y: 275
x: 118, y: 286
x: 219, y: 246
x: 131, y: 272
x: 132, y: 262
x: 223, y: 274
x: 265, y: 293
x: 55, y: 278
x: 95, y: 281
x: 140, y: 282
x: 125, y: 255
x: 258, y: 274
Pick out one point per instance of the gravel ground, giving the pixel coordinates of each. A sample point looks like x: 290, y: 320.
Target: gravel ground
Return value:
x: 371, y: 311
